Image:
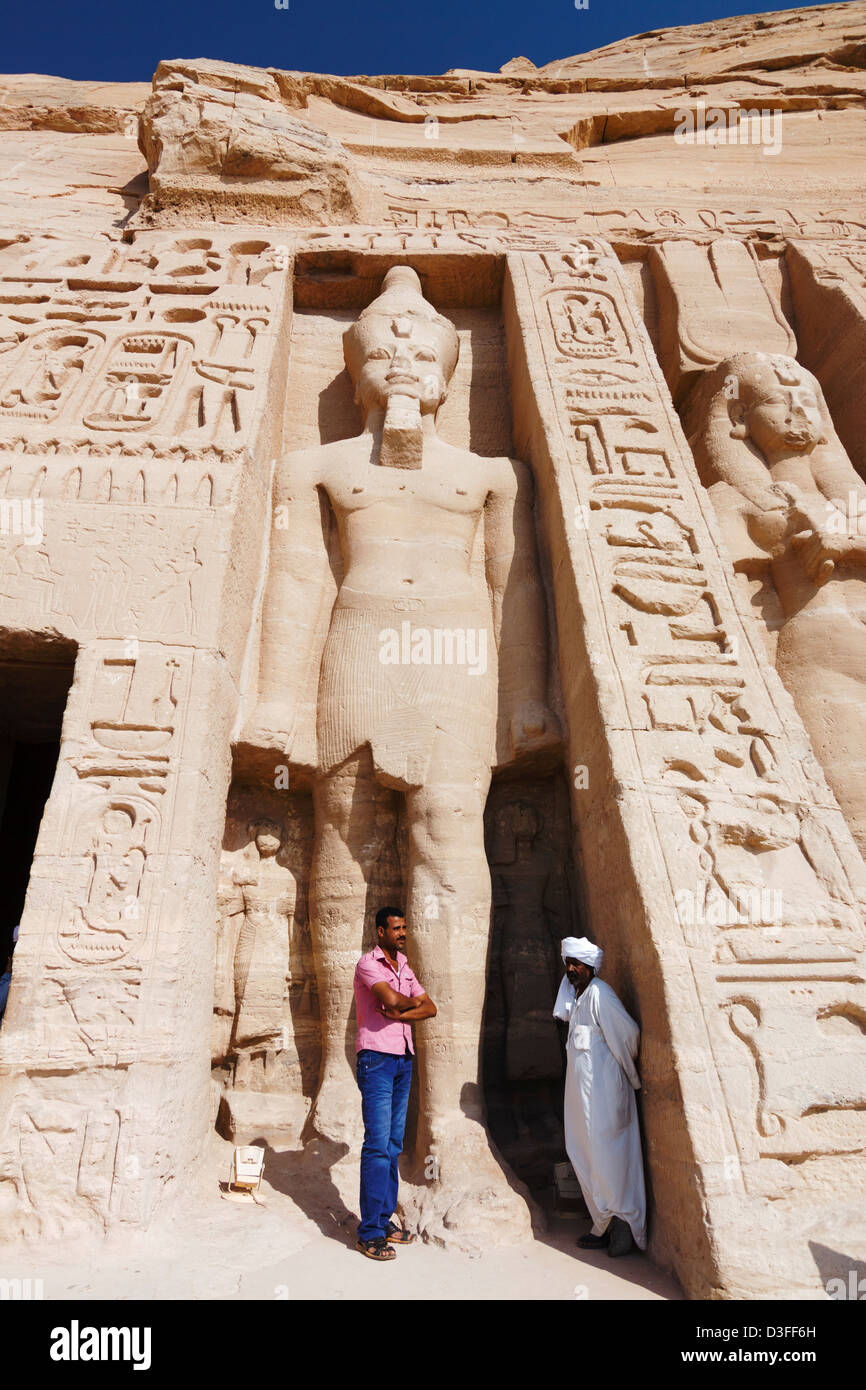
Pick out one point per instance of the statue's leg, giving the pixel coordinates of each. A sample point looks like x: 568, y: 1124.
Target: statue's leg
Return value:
x: 462, y: 1192
x: 344, y: 852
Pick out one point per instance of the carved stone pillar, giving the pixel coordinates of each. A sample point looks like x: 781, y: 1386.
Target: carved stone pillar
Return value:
x: 722, y: 879
x: 105, y: 1041
x: 147, y: 440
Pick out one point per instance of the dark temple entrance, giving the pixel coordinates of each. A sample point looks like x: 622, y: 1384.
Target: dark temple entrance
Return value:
x: 535, y: 904
x: 34, y: 686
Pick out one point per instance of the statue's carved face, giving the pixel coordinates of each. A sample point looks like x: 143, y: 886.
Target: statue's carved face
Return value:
x: 783, y: 419
x: 267, y: 837
x: 403, y: 356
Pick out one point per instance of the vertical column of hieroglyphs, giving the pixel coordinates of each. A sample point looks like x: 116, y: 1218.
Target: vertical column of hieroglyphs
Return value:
x: 137, y: 424
x: 740, y: 910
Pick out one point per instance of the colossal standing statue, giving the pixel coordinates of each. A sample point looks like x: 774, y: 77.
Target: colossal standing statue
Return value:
x: 425, y: 645
x: 789, y: 501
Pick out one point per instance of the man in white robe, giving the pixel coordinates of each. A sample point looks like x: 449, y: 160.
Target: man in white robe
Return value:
x: 602, y: 1137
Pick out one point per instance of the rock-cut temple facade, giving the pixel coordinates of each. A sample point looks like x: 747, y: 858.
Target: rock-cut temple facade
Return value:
x: 451, y: 492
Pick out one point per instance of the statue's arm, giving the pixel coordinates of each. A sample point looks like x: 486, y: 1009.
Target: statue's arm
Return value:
x: 754, y: 513
x: 513, y: 577
x: 519, y: 611
x: 750, y: 479
x: 845, y: 512
x: 828, y: 509
x: 298, y: 574
x: 836, y: 477
x: 230, y: 900
x: 753, y: 535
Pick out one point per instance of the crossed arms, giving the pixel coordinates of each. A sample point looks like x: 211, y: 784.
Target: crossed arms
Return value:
x: 400, y: 1007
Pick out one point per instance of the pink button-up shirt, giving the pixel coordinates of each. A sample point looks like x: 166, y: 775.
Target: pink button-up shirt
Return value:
x: 374, y: 1029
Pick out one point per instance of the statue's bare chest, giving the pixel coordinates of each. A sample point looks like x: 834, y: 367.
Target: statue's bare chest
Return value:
x: 447, y: 489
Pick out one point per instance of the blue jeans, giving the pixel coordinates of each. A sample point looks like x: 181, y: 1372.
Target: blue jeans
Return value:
x: 384, y: 1081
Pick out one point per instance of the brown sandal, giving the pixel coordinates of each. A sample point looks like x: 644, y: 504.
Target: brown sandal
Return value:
x: 376, y: 1249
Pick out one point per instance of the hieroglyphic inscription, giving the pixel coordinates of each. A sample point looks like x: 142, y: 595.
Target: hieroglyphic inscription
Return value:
x: 144, y: 571
x: 157, y: 349
x: 411, y: 225
x: 762, y: 857
x: 114, y: 826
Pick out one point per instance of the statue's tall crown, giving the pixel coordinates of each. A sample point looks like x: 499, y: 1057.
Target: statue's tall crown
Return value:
x: 400, y: 298
x: 402, y: 276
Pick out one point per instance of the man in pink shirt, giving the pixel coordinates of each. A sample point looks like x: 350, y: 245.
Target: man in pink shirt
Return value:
x: 388, y: 1000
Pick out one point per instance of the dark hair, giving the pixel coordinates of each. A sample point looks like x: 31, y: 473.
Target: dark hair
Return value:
x: 385, y: 912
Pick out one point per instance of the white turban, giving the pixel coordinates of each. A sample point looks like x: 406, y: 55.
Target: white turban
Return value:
x: 582, y: 949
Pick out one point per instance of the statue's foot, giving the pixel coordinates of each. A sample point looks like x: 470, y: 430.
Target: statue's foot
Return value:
x: 335, y: 1118
x: 462, y: 1195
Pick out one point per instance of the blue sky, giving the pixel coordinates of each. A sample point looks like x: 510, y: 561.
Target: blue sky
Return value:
x: 124, y: 39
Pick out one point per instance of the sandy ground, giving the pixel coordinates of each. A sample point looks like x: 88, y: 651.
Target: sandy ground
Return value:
x: 300, y: 1245
x: 328, y: 1267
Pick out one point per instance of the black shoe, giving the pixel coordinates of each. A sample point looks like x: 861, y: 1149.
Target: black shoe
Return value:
x: 591, y: 1242
x: 376, y: 1249
x: 396, y: 1235
x: 621, y: 1242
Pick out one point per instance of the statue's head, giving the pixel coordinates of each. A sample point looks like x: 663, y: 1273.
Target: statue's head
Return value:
x: 776, y: 404
x: 268, y: 837
x: 400, y: 345
x: 755, y: 410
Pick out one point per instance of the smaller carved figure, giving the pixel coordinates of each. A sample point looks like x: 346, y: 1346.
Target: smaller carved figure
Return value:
x: 789, y: 502
x: 263, y: 894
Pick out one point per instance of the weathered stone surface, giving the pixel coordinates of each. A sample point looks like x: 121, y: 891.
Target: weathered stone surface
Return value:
x: 321, y: 357
x: 211, y: 128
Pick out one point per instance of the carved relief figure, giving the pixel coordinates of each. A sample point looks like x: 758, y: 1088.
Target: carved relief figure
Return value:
x: 27, y: 574
x: 174, y: 597
x: 255, y: 1040
x: 417, y: 649
x: 44, y: 371
x: 773, y: 886
x: 783, y: 488
x: 265, y: 893
x: 108, y: 920
x: 265, y: 1038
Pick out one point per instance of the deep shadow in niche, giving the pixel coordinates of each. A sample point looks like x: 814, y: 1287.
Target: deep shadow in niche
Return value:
x: 34, y: 686
x: 529, y: 843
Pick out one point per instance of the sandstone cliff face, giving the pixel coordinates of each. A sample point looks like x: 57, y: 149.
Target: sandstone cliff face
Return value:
x: 210, y: 127
x: 591, y: 139
x: 813, y: 37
